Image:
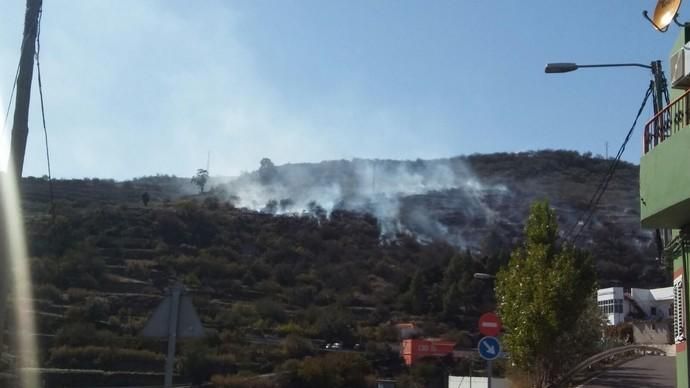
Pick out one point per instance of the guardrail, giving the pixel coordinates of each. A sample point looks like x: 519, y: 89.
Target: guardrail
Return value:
x: 674, y: 117
x: 567, y: 378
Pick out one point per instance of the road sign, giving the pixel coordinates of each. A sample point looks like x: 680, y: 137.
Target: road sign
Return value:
x: 489, y: 324
x: 188, y: 322
x: 489, y: 348
x: 174, y: 317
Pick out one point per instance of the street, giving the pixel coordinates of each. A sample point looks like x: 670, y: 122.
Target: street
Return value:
x: 648, y: 371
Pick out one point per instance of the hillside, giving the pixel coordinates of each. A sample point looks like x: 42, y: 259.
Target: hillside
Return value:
x: 288, y: 258
x: 463, y: 200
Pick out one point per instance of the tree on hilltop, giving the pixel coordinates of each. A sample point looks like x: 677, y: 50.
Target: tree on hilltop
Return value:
x: 200, y: 179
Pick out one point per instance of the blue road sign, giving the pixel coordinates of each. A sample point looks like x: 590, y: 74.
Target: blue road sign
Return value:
x: 489, y: 348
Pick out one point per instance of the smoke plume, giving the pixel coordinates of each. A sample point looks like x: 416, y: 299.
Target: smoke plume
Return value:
x: 433, y: 200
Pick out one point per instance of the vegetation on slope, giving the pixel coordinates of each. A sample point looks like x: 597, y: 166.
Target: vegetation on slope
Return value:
x: 272, y: 289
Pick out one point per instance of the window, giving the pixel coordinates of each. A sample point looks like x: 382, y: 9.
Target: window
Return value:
x: 653, y: 311
x: 618, y: 306
x: 610, y: 306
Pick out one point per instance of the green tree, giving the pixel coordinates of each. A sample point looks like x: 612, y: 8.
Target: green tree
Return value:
x: 267, y: 171
x: 417, y: 296
x: 295, y: 346
x: 334, y: 370
x: 584, y: 339
x: 462, y: 294
x: 200, y: 179
x: 451, y: 302
x: 542, y: 295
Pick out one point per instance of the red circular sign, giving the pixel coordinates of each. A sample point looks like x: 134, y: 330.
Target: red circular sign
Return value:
x: 489, y: 324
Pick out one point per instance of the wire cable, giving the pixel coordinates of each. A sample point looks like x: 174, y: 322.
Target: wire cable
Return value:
x: 43, y: 113
x: 603, y: 185
x: 9, y: 102
x: 14, y: 87
x: 607, y: 179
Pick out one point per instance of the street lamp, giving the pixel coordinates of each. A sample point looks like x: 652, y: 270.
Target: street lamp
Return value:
x: 484, y: 276
x: 566, y: 67
x: 659, y: 87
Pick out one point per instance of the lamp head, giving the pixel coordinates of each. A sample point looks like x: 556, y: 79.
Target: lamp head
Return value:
x: 560, y: 67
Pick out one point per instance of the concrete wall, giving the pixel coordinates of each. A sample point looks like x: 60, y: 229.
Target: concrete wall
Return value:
x: 652, y: 332
x: 475, y: 382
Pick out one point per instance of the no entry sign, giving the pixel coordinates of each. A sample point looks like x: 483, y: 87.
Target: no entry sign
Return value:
x: 489, y: 324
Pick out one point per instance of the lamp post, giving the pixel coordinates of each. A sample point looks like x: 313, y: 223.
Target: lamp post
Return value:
x: 566, y: 67
x: 660, y: 88
x: 489, y: 371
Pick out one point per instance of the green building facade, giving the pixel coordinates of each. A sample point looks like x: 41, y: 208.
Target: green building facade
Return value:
x: 665, y: 189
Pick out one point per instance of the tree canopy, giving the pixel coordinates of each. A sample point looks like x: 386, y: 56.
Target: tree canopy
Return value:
x: 541, y: 295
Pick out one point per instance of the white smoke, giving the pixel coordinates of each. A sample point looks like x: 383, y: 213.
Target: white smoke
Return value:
x: 395, y: 192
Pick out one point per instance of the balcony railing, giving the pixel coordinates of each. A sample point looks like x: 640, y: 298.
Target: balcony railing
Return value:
x: 670, y: 120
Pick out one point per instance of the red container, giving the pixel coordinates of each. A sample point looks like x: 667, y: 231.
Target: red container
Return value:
x: 416, y: 349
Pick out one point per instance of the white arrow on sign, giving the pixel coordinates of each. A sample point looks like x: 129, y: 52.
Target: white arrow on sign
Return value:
x: 490, y: 348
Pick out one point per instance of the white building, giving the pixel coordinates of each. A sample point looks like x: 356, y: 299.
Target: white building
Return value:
x: 619, y: 305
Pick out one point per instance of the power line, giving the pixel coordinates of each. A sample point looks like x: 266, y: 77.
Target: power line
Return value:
x: 14, y: 87
x: 43, y: 113
x: 612, y: 169
x: 9, y: 102
x: 603, y: 185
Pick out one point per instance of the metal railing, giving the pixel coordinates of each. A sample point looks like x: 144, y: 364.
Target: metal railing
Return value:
x: 674, y: 117
x: 639, y: 349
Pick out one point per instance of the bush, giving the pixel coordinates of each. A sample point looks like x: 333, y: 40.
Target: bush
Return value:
x: 284, y: 274
x: 44, y: 270
x: 295, y: 346
x: 49, y: 292
x: 302, y: 296
x: 81, y: 267
x: 270, y: 310
x: 220, y: 381
x: 240, y: 315
x: 75, y: 295
x: 94, y: 308
x: 99, y: 357
x: 199, y: 364
x: 171, y: 228
x: 335, y: 370
x: 82, y: 334
x: 291, y: 328
x: 268, y: 287
x: 335, y: 325
x: 138, y: 269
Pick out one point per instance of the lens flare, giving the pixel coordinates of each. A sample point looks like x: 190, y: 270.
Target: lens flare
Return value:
x: 16, y: 258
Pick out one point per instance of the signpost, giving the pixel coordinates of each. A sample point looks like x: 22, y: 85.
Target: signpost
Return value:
x: 174, y: 317
x: 489, y: 348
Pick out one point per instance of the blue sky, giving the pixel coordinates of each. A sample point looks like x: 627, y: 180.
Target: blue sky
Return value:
x: 143, y: 87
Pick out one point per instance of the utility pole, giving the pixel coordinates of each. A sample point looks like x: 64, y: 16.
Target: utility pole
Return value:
x: 20, y: 129
x: 20, y: 125
x: 607, y: 150
x: 175, y: 317
x: 208, y: 163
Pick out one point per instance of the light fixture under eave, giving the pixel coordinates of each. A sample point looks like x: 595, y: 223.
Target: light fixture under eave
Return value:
x: 666, y: 11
